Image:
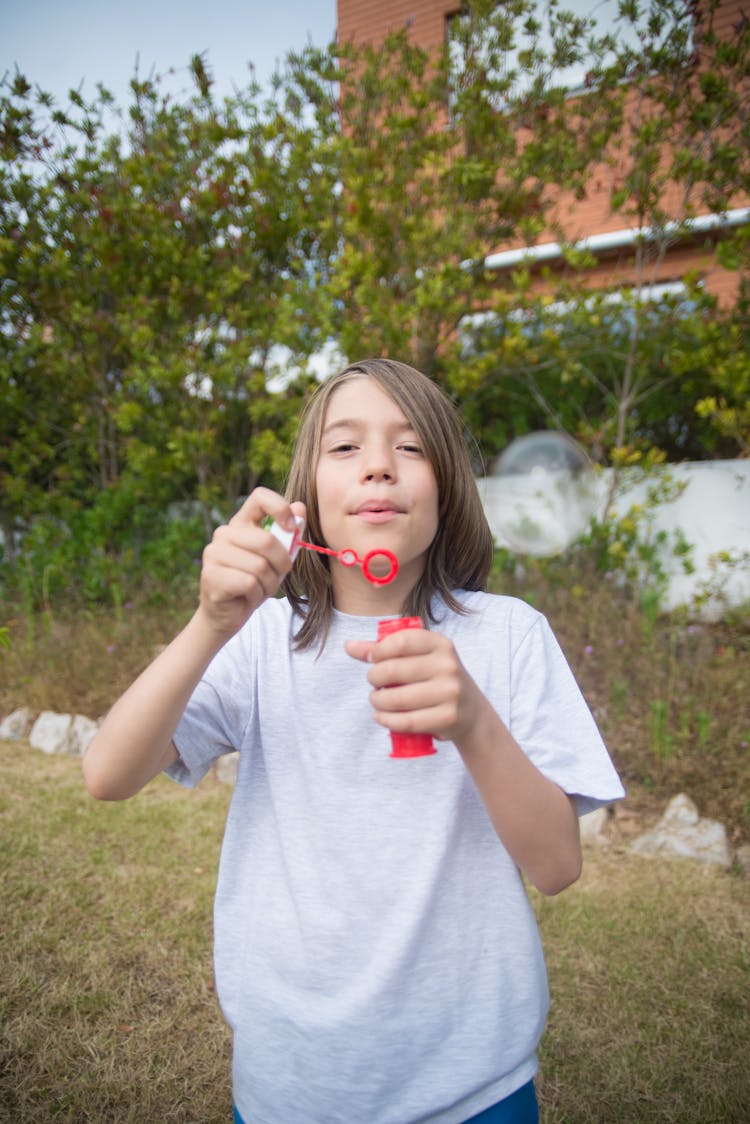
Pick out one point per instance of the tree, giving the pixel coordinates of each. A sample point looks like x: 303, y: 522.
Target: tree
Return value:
x: 166, y: 284
x: 433, y: 177
x: 623, y: 371
x: 149, y: 278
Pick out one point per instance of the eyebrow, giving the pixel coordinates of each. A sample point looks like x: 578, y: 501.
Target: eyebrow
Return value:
x: 360, y: 423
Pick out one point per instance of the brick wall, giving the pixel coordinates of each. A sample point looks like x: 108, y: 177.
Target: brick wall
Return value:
x: 370, y: 20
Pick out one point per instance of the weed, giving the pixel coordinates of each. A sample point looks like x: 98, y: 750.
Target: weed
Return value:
x: 619, y: 695
x: 662, y: 742
x: 669, y: 694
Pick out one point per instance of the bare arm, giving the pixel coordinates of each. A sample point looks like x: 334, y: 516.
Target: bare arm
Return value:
x: 533, y: 817
x: 242, y: 566
x: 134, y: 742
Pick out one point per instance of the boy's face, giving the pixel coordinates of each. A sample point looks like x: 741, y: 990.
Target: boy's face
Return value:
x: 375, y: 487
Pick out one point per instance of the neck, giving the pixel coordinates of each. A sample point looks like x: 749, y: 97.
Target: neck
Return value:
x: 354, y: 595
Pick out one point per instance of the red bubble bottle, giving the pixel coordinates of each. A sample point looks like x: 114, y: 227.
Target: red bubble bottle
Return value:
x: 406, y: 745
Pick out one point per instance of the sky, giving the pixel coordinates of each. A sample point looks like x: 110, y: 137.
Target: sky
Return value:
x: 59, y: 44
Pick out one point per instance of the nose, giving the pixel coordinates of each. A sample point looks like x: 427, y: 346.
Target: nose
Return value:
x: 378, y: 464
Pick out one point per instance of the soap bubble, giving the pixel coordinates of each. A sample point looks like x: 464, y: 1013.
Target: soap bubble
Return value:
x: 540, y: 495
x: 541, y: 452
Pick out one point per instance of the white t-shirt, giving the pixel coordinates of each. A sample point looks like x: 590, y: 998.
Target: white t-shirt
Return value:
x: 376, y: 954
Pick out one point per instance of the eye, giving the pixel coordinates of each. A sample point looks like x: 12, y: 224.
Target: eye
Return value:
x: 411, y: 447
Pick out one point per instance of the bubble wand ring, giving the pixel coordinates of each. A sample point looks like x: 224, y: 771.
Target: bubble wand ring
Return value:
x: 349, y: 557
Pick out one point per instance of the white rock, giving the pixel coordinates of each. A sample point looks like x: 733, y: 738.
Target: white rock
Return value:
x: 82, y: 731
x: 50, y: 732
x: 593, y: 826
x: 680, y: 810
x: 681, y: 833
x: 226, y: 768
x: 16, y: 724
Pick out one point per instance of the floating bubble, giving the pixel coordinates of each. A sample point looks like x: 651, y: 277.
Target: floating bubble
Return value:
x: 543, y: 451
x: 539, y: 496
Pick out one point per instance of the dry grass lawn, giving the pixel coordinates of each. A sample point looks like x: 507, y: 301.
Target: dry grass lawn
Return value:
x: 108, y: 1012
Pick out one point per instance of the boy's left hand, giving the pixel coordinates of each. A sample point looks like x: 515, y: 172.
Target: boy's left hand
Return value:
x: 419, y: 684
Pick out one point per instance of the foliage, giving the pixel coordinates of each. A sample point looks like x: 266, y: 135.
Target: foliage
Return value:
x: 106, y: 553
x: 148, y: 280
x: 726, y: 347
x: 629, y: 550
x: 169, y: 281
x: 563, y: 365
x: 665, y: 122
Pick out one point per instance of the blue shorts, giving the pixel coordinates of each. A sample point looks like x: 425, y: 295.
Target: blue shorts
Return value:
x: 519, y: 1108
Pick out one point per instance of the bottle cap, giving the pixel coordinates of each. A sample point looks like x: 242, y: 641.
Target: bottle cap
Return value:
x: 289, y: 539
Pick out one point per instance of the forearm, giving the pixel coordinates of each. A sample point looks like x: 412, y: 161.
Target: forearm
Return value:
x: 134, y: 742
x: 534, y: 818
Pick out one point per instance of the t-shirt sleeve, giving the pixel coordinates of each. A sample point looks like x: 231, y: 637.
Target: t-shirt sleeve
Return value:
x: 216, y: 716
x: 551, y: 721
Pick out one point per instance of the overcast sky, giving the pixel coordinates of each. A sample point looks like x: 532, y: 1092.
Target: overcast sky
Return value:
x: 58, y: 44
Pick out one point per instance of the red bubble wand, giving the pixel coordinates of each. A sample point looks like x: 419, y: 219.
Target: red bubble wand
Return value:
x: 293, y: 541
x: 402, y: 745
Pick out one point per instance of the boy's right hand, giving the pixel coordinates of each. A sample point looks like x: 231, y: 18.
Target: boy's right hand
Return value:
x: 244, y: 563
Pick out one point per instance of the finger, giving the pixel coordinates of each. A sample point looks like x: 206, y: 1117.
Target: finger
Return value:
x: 263, y: 503
x: 414, y: 697
x: 245, y: 549
x: 420, y: 668
x: 298, y: 508
x: 261, y: 556
x: 408, y: 641
x: 241, y: 546
x: 359, y: 649
x: 235, y: 588
x: 425, y: 721
x: 429, y: 721
x: 239, y: 573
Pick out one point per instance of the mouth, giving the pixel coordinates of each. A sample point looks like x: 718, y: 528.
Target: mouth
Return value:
x: 377, y: 511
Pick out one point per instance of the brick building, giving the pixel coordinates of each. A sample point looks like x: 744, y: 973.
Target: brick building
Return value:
x: 589, y: 221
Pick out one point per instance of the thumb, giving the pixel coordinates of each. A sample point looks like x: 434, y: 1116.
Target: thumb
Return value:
x: 360, y: 649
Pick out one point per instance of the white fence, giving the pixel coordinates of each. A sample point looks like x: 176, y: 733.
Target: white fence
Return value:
x: 543, y: 512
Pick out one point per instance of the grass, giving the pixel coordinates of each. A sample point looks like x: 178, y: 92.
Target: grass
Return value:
x: 108, y: 1012
x: 669, y: 694
x: 81, y: 660
x: 649, y: 970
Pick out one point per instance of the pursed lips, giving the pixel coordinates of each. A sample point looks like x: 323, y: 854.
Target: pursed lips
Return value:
x: 377, y: 511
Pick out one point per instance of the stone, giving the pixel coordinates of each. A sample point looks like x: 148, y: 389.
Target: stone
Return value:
x: 681, y: 812
x: 681, y: 833
x: 226, y: 768
x: 82, y: 731
x: 593, y: 826
x: 16, y: 725
x: 50, y: 732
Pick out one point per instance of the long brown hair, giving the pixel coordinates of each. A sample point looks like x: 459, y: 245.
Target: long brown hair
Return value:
x: 459, y: 556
